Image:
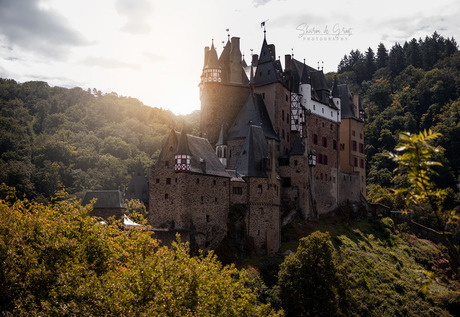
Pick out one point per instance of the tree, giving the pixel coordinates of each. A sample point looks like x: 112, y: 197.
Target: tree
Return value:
x: 309, y: 280
x: 55, y: 260
x: 396, y: 60
x: 415, y: 158
x: 382, y: 56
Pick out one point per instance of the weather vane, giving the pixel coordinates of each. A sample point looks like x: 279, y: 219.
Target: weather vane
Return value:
x: 262, y: 25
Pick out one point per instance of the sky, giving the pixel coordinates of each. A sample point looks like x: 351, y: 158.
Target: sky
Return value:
x: 154, y: 50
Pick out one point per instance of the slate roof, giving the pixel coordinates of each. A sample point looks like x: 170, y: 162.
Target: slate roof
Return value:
x: 346, y: 102
x: 212, y: 61
x: 269, y: 70
x: 254, y: 154
x: 222, y: 140
x: 105, y: 199
x: 335, y: 89
x: 204, y: 158
x: 138, y: 186
x: 253, y: 112
x: 182, y: 146
x: 302, y: 73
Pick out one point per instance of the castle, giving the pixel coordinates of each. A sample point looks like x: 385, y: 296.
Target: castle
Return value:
x: 274, y: 141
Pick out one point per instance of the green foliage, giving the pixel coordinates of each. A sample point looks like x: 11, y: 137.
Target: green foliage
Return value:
x: 309, y: 280
x: 413, y: 86
x: 55, y: 260
x: 415, y: 159
x: 385, y: 272
x: 53, y: 138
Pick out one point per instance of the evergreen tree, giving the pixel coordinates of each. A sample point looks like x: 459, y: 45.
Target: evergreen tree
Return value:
x: 396, y: 60
x: 382, y: 56
x: 369, y: 64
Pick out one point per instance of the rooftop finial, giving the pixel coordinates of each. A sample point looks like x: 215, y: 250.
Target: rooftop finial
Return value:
x: 322, y: 65
x: 251, y: 51
x: 228, y: 34
x: 262, y: 25
x: 292, y: 52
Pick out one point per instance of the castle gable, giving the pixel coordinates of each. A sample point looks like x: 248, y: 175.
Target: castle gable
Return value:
x: 204, y: 158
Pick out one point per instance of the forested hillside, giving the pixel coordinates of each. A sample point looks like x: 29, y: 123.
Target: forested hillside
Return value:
x: 53, y: 138
x: 410, y: 87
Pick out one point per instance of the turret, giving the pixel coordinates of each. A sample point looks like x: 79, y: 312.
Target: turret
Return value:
x: 183, y: 156
x: 212, y: 72
x: 221, y: 147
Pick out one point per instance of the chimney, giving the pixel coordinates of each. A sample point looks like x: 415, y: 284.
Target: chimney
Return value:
x: 206, y: 54
x: 235, y: 44
x: 236, y: 70
x: 287, y: 62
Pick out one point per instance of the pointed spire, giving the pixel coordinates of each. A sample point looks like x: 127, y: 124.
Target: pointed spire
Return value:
x: 335, y: 90
x: 222, y: 137
x: 212, y: 61
x: 182, y: 146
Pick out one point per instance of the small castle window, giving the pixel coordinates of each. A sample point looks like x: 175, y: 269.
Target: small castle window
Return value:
x: 214, y: 182
x: 157, y: 180
x: 215, y: 200
x: 225, y: 184
x: 166, y: 196
x: 208, y: 218
x: 287, y: 99
x: 166, y: 163
x: 237, y: 191
x: 168, y: 181
x: 334, y: 144
x: 259, y: 189
x: 202, y: 199
x: 197, y: 180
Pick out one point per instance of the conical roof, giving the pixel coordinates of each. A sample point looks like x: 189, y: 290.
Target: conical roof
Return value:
x: 222, y: 140
x: 182, y: 146
x: 254, y: 153
x: 212, y: 61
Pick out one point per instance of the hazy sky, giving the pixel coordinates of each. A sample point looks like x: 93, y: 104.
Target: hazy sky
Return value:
x: 153, y: 50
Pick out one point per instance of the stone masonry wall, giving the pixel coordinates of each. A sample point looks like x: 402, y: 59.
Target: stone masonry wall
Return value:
x: 219, y: 105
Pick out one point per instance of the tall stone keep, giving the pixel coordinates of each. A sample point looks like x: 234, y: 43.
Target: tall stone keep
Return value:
x: 224, y: 88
